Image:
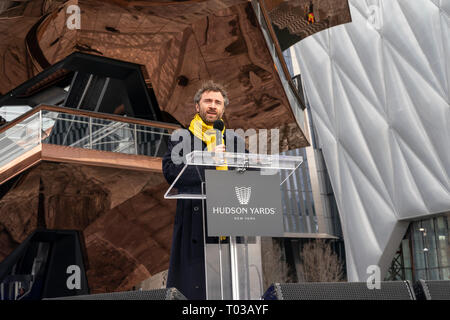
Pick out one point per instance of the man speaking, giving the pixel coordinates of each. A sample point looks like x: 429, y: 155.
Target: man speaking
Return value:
x: 187, y: 269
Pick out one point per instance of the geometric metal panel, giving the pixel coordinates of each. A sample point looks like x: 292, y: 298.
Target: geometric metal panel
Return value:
x: 379, y: 91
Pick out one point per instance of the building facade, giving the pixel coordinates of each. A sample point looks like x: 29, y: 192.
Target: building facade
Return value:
x: 379, y: 94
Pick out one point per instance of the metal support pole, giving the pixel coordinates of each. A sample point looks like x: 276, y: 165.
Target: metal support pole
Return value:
x: 220, y: 269
x: 204, y: 238
x: 135, y: 140
x: 247, y: 270
x: 40, y: 127
x: 234, y: 269
x: 90, y: 133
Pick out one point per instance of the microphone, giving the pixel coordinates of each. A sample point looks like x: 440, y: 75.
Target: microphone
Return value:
x: 218, y: 127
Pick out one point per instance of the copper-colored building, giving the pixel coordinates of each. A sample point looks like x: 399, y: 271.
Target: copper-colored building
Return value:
x: 134, y: 65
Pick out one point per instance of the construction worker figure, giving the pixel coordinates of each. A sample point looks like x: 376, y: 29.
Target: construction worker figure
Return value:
x: 311, y: 18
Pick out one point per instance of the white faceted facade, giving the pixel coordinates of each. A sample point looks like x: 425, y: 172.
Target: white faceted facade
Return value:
x: 379, y: 89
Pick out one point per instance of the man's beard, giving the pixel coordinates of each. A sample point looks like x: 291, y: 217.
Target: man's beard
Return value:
x: 204, y: 115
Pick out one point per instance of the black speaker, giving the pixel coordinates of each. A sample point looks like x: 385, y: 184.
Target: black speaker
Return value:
x: 157, y: 294
x: 432, y: 289
x: 389, y: 290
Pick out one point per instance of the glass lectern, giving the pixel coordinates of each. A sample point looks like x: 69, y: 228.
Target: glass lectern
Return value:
x: 233, y: 264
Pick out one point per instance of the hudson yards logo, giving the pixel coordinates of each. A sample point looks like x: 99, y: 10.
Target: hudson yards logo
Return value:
x: 243, y: 194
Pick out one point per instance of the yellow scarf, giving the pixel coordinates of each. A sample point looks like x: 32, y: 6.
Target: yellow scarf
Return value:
x: 207, y: 134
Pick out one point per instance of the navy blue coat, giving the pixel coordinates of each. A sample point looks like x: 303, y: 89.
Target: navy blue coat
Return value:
x: 186, y: 268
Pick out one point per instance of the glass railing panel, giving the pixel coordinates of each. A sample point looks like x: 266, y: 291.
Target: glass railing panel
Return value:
x: 81, y: 131
x: 151, y: 141
x: 19, y: 139
x: 64, y: 129
x: 104, y: 134
x: 112, y: 136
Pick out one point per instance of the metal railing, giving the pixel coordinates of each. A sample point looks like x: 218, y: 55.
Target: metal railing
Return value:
x: 82, y: 129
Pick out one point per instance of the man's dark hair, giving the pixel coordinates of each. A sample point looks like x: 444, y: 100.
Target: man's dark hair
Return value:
x: 211, y: 86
